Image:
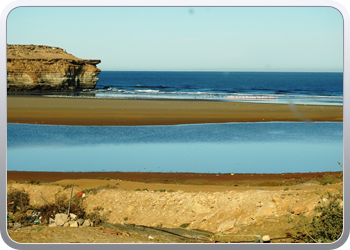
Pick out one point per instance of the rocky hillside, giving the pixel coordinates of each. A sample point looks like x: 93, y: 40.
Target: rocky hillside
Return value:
x: 39, y: 68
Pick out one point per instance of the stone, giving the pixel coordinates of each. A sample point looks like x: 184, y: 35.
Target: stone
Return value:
x: 66, y: 224
x: 73, y: 224
x: 41, y: 68
x: 17, y: 225
x: 73, y: 216
x: 53, y: 225
x: 60, y: 219
x: 266, y: 238
x: 80, y: 221
x: 87, y: 223
x: 51, y: 221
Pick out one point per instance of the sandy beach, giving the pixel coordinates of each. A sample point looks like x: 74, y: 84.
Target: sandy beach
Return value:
x: 84, y: 111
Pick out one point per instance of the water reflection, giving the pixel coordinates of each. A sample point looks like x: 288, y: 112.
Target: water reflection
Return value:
x: 206, y: 148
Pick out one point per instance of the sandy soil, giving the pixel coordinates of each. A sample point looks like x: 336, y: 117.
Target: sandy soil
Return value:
x: 235, y: 210
x: 83, y: 111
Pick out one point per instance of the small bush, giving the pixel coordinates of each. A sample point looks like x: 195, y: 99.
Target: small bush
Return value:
x: 160, y: 190
x: 325, y: 180
x: 326, y: 226
x: 99, y: 189
x: 126, y: 218
x: 96, y: 217
x: 34, y: 182
x: 17, y: 200
x: 184, y: 225
x: 18, y: 205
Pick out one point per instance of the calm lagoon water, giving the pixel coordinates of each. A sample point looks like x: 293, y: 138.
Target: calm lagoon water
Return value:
x: 276, y: 147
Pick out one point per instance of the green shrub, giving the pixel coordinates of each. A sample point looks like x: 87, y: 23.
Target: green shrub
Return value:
x: 34, y: 182
x: 160, y: 190
x: 99, y: 189
x: 184, y: 225
x: 327, y: 179
x: 326, y: 226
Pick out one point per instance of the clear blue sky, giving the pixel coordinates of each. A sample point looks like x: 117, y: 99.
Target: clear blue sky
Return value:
x: 183, y: 38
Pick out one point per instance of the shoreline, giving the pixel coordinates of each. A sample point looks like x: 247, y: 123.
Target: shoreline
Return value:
x: 159, y: 177
x: 119, y: 112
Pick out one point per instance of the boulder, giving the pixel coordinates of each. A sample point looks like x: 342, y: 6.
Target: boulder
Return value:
x: 73, y: 224
x: 87, y: 223
x: 60, y: 219
x: 73, y: 216
x: 80, y: 221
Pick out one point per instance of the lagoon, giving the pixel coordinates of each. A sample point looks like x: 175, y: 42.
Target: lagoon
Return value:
x: 270, y: 147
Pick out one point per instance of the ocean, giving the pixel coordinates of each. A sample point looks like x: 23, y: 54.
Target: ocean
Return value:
x: 262, y: 87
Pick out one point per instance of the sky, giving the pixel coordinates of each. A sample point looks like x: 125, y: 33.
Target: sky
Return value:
x: 291, y: 39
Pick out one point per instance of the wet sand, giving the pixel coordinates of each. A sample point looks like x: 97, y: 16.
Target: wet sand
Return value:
x: 84, y: 111
x: 170, y: 178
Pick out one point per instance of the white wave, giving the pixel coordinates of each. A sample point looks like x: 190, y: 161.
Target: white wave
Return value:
x: 147, y: 91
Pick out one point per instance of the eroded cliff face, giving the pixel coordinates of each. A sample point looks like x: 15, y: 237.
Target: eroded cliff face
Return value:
x: 41, y: 68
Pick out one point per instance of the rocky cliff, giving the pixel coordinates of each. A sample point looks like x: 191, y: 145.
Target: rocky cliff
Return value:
x: 41, y: 68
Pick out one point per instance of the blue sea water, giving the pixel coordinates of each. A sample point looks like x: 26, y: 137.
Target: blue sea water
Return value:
x: 273, y: 147
x: 271, y: 87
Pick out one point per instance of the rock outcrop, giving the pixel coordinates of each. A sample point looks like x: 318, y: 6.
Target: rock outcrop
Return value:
x: 39, y: 68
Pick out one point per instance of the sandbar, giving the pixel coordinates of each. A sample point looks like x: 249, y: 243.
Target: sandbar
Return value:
x: 117, y: 112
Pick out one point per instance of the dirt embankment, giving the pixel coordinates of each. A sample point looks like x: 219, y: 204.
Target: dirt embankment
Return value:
x: 231, y: 213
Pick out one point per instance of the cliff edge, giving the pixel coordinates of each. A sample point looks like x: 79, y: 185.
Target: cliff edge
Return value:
x: 40, y: 68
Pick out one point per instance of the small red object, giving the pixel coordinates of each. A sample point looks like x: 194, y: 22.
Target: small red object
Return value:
x: 80, y: 194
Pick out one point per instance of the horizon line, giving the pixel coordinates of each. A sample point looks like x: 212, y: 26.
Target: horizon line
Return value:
x: 225, y: 71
